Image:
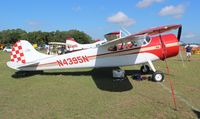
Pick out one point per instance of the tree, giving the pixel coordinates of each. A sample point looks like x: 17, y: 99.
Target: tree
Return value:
x: 11, y: 36
x: 79, y: 36
x: 39, y: 37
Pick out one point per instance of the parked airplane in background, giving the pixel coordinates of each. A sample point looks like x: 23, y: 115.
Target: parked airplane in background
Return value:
x: 140, y: 48
x: 7, y: 49
x: 72, y: 45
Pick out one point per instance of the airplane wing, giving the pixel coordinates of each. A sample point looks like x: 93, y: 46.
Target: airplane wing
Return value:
x: 125, y: 39
x: 19, y: 66
x: 143, y: 34
x: 159, y: 30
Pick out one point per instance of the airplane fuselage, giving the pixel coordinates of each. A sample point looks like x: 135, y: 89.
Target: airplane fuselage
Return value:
x: 102, y: 57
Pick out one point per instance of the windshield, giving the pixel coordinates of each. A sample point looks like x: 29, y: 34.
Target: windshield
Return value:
x: 141, y: 42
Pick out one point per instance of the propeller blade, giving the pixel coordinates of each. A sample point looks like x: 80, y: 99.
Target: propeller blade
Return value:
x: 179, y: 33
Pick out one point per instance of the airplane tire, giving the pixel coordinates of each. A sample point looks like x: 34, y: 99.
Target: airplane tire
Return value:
x: 145, y: 69
x: 158, y: 76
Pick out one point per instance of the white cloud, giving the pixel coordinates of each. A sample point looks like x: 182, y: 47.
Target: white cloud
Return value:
x: 189, y: 35
x: 121, y: 19
x: 147, y: 3
x: 175, y: 11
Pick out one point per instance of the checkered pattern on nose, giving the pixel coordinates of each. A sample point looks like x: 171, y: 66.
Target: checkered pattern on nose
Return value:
x: 17, y: 54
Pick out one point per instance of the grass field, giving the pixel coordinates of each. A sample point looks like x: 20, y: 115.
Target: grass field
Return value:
x: 92, y: 93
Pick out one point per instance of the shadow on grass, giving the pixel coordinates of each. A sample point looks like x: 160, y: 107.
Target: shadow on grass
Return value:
x: 104, y: 81
x: 24, y: 74
x: 197, y: 113
x: 101, y: 76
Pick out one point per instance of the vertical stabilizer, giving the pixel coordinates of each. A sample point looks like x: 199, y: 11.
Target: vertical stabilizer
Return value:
x: 71, y: 44
x: 23, y: 52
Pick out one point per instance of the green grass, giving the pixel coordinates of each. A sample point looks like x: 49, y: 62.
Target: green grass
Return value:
x: 92, y: 93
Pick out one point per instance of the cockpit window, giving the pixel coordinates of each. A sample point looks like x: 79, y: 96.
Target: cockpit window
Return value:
x: 148, y: 39
x: 112, y: 36
x: 144, y: 41
x: 112, y: 48
x: 132, y: 44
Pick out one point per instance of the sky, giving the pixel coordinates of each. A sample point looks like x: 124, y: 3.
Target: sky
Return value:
x: 98, y: 17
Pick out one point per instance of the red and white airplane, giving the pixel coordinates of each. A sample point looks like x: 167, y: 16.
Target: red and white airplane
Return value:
x: 140, y: 48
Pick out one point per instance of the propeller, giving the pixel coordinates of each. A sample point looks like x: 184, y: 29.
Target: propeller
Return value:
x: 179, y: 33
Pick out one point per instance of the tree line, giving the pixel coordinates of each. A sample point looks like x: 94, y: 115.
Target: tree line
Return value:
x: 10, y: 36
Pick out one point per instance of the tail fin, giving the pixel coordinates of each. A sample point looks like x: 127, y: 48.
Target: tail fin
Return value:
x: 72, y: 44
x: 23, y: 52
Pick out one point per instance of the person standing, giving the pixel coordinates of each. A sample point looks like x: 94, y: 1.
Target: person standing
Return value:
x: 188, y: 51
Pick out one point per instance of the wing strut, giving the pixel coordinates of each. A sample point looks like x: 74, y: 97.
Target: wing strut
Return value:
x: 167, y: 68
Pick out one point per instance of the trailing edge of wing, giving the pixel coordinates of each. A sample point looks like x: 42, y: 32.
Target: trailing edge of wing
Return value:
x: 158, y: 30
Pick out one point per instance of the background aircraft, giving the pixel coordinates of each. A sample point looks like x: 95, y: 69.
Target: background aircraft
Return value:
x: 72, y: 45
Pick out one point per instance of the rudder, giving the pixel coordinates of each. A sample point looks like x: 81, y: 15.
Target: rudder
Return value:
x: 23, y: 52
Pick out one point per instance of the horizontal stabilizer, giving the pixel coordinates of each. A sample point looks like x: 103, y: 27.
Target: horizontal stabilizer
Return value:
x: 20, y: 66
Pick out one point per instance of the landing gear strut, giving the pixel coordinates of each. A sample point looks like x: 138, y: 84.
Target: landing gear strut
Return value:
x: 157, y: 76
x: 144, y: 69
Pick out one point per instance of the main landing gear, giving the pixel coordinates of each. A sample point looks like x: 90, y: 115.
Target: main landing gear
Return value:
x: 157, y: 76
x: 145, y: 69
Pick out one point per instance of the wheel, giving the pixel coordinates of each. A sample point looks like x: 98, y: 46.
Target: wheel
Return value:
x: 145, y: 69
x: 158, y: 76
